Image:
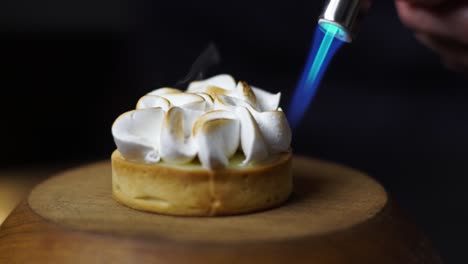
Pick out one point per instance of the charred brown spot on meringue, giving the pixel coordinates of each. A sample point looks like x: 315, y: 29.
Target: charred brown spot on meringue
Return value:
x: 208, y: 116
x: 174, y: 119
x: 214, y: 90
x: 245, y: 89
x: 208, y: 98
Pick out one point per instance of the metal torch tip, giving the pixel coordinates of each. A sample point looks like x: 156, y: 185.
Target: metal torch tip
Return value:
x: 343, y: 14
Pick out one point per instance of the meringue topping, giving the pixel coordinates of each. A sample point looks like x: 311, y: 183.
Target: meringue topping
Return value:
x: 212, y: 120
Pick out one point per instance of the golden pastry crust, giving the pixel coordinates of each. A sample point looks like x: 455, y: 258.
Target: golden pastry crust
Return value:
x: 191, y: 190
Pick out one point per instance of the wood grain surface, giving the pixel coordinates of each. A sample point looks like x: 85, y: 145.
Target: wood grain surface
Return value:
x: 336, y: 215
x: 17, y: 182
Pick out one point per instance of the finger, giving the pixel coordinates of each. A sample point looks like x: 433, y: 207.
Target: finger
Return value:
x: 454, y: 55
x: 441, y: 44
x: 450, y: 24
x: 366, y: 4
x: 455, y: 64
x: 425, y: 3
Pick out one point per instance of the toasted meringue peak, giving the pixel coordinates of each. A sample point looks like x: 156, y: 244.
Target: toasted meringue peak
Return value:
x: 225, y: 102
x: 217, y: 136
x: 150, y: 101
x: 164, y: 90
x: 136, y: 134
x: 175, y: 147
x: 208, y: 100
x: 224, y: 81
x: 180, y: 99
x: 266, y: 101
x: 244, y: 92
x: 275, y: 130
x: 252, y: 142
x: 213, y: 119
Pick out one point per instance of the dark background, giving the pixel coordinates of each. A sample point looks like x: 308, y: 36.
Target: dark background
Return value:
x: 386, y: 105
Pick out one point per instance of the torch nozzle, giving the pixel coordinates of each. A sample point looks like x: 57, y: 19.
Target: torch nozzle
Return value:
x: 343, y: 14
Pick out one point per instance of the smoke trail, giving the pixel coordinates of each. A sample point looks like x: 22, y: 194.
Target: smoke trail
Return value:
x: 208, y: 58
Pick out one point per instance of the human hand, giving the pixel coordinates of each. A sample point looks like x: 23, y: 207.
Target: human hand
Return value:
x: 442, y: 25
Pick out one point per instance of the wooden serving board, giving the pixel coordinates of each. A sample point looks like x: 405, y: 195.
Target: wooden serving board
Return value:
x: 335, y: 215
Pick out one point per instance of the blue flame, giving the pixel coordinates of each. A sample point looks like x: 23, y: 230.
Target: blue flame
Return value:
x: 326, y: 43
